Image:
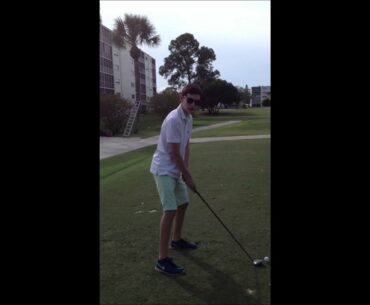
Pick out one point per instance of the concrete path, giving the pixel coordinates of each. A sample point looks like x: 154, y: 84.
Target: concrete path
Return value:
x: 215, y: 139
x: 111, y: 146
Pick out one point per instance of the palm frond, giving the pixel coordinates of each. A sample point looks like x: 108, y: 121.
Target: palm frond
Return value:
x: 119, y: 32
x: 154, y: 41
x: 141, y: 30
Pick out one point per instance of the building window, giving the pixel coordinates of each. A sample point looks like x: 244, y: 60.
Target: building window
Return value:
x: 133, y: 96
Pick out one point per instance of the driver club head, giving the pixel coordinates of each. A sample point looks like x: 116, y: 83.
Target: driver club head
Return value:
x: 258, y: 263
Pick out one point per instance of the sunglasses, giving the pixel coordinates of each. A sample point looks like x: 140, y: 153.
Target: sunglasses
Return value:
x: 191, y: 101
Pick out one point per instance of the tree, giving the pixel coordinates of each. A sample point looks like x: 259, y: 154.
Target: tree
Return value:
x: 187, y: 62
x: 136, y: 30
x: 218, y: 91
x: 204, y: 68
x: 113, y: 114
x: 165, y: 101
x: 244, y: 94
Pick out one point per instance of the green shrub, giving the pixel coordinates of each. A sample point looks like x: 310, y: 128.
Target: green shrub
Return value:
x: 266, y: 102
x: 114, y: 112
x: 163, y: 103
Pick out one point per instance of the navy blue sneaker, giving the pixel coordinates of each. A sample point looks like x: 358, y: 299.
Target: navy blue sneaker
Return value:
x: 167, y: 266
x: 183, y: 244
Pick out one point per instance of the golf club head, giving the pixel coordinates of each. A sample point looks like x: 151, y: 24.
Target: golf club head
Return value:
x: 258, y: 263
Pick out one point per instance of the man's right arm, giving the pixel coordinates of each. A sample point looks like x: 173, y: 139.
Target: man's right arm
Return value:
x: 175, y: 155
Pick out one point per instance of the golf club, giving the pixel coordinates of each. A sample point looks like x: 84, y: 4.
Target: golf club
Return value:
x: 256, y: 262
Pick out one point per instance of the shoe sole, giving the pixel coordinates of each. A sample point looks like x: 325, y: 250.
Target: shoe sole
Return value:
x: 167, y: 273
x: 184, y: 248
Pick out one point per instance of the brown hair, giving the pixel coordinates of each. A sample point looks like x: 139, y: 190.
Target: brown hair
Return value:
x: 192, y: 89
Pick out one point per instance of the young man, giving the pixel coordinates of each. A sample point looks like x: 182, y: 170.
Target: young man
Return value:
x: 170, y: 169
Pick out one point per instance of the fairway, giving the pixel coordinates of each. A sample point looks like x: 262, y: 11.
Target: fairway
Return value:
x: 234, y: 178
x: 253, y: 121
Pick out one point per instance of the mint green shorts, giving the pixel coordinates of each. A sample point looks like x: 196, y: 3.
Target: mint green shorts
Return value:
x: 172, y: 192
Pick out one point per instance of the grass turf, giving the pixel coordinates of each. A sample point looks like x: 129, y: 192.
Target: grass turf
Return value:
x: 234, y: 177
x: 254, y: 121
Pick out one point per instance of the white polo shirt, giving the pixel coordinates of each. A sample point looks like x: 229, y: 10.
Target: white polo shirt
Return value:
x: 176, y: 128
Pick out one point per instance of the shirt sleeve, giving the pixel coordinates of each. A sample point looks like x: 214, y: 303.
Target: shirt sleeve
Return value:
x: 173, y: 131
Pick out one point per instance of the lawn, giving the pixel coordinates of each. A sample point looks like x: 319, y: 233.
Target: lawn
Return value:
x: 234, y: 177
x: 254, y: 121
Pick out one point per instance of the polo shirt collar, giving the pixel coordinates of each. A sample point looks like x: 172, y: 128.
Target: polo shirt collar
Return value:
x: 182, y: 113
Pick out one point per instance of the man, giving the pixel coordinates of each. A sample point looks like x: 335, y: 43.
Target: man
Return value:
x: 170, y: 169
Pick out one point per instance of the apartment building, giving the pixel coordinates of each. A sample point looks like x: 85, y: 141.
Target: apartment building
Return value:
x: 259, y: 94
x: 145, y: 78
x: 106, y: 61
x: 124, y: 75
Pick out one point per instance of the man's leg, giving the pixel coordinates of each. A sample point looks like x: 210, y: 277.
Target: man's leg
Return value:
x: 179, y: 220
x: 165, y: 232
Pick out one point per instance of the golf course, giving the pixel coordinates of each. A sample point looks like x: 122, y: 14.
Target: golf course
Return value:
x: 233, y: 177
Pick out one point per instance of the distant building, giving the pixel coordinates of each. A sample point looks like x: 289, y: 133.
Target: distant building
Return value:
x: 259, y: 94
x: 120, y: 68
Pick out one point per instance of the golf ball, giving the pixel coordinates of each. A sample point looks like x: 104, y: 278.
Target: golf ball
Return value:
x: 266, y: 259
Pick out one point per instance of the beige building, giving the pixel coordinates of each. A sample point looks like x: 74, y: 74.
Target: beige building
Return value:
x: 122, y: 69
x: 106, y: 65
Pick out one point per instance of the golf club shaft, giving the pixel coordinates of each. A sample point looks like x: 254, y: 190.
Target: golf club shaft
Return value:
x: 226, y: 228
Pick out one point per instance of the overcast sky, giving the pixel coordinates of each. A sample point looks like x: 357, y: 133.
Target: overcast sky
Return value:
x: 237, y: 31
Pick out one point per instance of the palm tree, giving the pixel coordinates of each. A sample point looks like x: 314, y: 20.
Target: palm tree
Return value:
x: 137, y: 30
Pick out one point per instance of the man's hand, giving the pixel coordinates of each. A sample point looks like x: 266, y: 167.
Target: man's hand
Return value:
x: 189, y: 181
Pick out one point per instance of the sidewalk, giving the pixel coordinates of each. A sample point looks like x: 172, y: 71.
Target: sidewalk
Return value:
x: 111, y: 146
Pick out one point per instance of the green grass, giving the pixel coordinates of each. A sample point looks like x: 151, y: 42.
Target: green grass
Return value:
x: 254, y: 121
x: 234, y: 177
x: 237, y: 129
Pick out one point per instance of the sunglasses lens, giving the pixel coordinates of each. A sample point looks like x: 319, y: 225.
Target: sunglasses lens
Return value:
x: 191, y: 101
